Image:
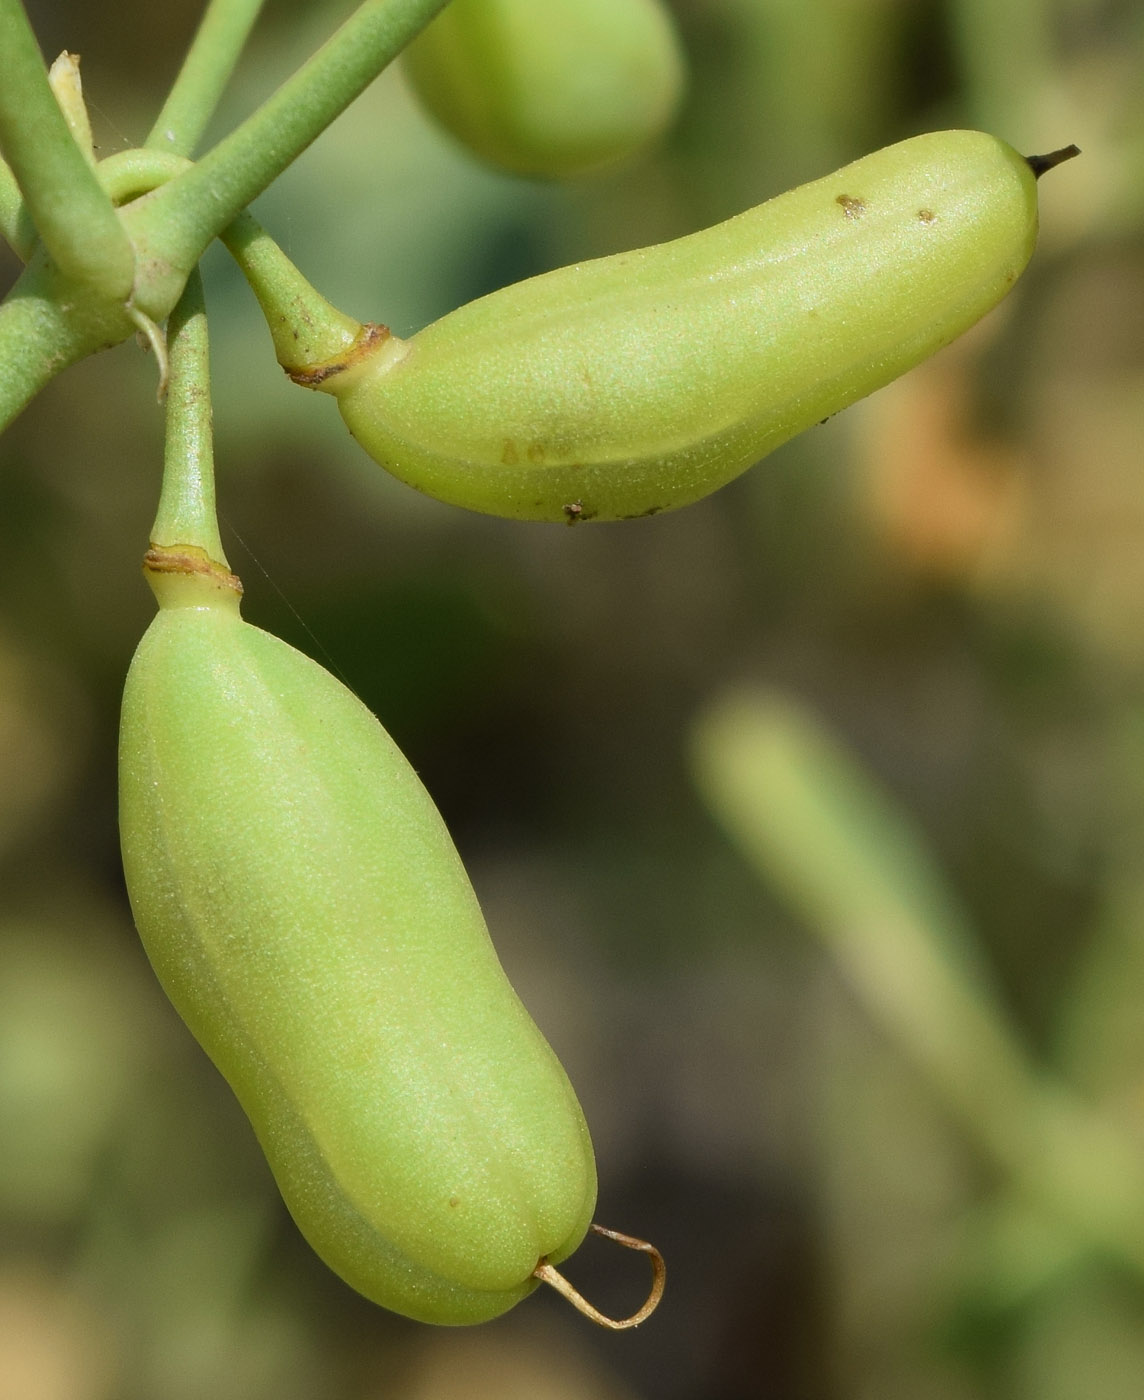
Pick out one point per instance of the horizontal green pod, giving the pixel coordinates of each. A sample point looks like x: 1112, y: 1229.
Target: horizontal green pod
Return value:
x: 308, y: 915
x: 552, y: 89
x: 643, y: 381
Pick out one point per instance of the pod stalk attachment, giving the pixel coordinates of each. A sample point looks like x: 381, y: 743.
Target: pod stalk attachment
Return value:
x: 308, y: 331
x: 186, y: 514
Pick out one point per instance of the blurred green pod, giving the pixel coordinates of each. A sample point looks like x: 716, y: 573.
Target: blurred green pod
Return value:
x: 308, y: 915
x: 554, y: 88
x: 643, y: 381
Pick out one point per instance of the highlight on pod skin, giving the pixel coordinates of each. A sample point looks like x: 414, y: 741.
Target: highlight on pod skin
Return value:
x: 641, y: 382
x: 306, y: 912
x: 552, y: 89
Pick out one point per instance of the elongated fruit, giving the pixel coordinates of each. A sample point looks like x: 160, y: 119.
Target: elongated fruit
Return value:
x: 306, y: 912
x: 643, y: 381
x: 554, y: 88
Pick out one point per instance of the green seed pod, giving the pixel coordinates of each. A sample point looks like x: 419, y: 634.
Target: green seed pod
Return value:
x: 308, y: 915
x: 643, y: 381
x: 552, y: 89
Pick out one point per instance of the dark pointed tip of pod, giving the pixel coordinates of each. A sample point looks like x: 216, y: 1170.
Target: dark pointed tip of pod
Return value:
x: 1039, y: 164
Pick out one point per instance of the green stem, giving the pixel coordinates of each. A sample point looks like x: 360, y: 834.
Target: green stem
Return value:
x: 186, y: 515
x: 47, y: 321
x: 46, y: 324
x: 73, y: 216
x: 172, y: 227
x: 211, y: 59
x: 128, y: 174
x: 15, y: 221
x: 307, y: 330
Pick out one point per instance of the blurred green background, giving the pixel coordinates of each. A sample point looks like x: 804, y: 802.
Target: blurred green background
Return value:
x: 881, y: 1108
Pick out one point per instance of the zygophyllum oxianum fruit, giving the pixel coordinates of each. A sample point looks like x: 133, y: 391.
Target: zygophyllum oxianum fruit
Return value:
x: 643, y: 381
x: 306, y: 911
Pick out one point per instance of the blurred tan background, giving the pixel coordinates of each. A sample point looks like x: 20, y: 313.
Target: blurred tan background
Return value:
x: 950, y: 575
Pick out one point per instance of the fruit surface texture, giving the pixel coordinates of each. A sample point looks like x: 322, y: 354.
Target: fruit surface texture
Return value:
x: 640, y: 382
x: 307, y: 913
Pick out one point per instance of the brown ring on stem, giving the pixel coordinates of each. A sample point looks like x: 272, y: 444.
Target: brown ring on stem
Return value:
x: 311, y: 376
x: 547, y: 1274
x: 190, y: 559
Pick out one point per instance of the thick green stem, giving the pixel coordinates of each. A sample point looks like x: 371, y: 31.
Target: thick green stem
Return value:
x: 47, y: 321
x: 186, y: 515
x: 211, y: 59
x: 172, y: 227
x: 128, y: 174
x: 56, y: 319
x: 72, y: 215
x: 15, y: 221
x: 46, y: 324
x: 307, y: 329
x: 47, y: 327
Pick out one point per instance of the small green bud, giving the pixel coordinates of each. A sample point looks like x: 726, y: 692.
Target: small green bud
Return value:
x: 554, y: 88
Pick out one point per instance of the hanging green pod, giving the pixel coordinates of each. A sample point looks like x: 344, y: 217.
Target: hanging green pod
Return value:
x: 643, y: 381
x: 552, y: 89
x: 301, y: 901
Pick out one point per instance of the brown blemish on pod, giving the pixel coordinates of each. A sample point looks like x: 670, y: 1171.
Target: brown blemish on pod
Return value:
x: 926, y: 216
x: 851, y: 205
x: 311, y: 376
x: 574, y: 512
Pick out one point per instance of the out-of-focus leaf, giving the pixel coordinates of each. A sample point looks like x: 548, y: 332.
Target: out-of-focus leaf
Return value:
x: 895, y: 1179
x: 203, y: 1328
x: 805, y: 814
x: 72, y: 1051
x: 37, y: 749
x: 1003, y: 1258
x: 1100, y: 1032
x: 821, y: 832
x: 1102, y: 1026
x: 1085, y: 1344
